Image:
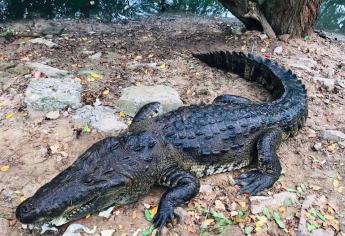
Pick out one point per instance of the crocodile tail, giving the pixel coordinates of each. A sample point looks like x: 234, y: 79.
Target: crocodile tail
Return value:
x: 275, y: 78
x: 287, y: 90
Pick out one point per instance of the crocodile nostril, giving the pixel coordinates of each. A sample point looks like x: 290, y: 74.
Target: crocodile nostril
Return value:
x: 25, y: 209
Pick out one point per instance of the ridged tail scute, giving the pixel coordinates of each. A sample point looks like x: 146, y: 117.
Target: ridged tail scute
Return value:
x: 287, y: 90
x: 273, y: 77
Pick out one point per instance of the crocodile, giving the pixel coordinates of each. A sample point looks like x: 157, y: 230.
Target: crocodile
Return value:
x: 177, y: 148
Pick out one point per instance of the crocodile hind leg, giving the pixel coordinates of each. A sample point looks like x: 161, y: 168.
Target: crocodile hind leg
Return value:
x: 231, y: 100
x: 183, y: 186
x: 147, y: 111
x: 268, y: 169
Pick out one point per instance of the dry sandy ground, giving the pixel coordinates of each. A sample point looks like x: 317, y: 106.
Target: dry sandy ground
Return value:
x: 36, y: 149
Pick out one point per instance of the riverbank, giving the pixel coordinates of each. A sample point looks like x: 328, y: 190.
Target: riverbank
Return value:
x: 36, y: 146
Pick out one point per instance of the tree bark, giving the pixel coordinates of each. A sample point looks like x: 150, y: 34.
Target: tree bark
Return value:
x: 294, y: 17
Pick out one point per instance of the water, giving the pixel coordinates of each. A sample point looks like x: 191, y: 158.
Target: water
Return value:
x: 332, y: 16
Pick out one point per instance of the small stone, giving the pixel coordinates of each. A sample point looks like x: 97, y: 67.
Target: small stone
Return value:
x: 101, y: 118
x: 205, y: 188
x: 96, y: 56
x: 107, y: 213
x: 328, y: 84
x: 53, y: 94
x: 317, y: 146
x: 46, y: 42
x: 47, y: 70
x: 278, y: 50
x: 76, y: 229
x: 333, y: 135
x: 4, y: 227
x: 53, y: 115
x: 107, y: 232
x: 284, y: 37
x: 35, y: 116
x: 322, y: 232
x: 258, y: 203
x: 134, y: 97
x: 218, y: 205
x: 263, y: 36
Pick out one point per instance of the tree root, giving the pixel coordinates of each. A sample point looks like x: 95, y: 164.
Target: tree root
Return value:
x: 256, y: 14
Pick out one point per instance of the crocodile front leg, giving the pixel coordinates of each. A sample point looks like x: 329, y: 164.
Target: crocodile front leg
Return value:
x: 183, y: 186
x: 268, y: 169
x: 231, y: 100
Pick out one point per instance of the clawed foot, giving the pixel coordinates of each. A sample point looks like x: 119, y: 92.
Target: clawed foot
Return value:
x: 255, y: 181
x: 162, y: 216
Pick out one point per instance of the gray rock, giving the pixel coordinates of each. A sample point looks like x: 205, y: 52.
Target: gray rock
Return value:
x: 278, y: 50
x: 46, y: 42
x: 20, y: 69
x: 317, y: 146
x: 53, y: 115
x: 96, y: 56
x: 322, y: 232
x: 328, y: 84
x: 53, y: 94
x: 304, y: 63
x: 100, y: 117
x: 263, y: 36
x: 4, y: 227
x: 6, y: 65
x: 284, y: 37
x: 52, y: 30
x: 133, y: 98
x: 333, y: 135
x: 47, y: 70
x: 205, y: 188
x: 258, y: 203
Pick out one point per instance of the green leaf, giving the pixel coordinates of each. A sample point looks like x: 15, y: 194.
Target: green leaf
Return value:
x: 292, y: 190
x: 322, y: 217
x: 311, y: 227
x: 148, y: 232
x: 240, y: 214
x: 86, y: 129
x: 303, y: 187
x: 261, y: 2
x: 216, y: 214
x: 248, y: 230
x: 278, y: 220
x: 267, y: 213
x: 148, y: 216
x: 221, y: 219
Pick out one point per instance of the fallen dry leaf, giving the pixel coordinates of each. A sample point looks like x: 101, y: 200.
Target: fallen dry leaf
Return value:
x: 4, y: 168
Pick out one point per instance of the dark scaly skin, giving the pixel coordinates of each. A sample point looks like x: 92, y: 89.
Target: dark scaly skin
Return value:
x: 177, y: 148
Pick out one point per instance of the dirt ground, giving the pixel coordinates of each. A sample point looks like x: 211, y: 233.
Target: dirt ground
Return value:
x: 34, y: 150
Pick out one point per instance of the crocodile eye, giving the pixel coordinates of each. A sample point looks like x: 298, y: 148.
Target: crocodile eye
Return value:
x: 88, y: 179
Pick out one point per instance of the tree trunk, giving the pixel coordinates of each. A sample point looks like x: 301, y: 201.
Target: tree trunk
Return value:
x: 294, y: 17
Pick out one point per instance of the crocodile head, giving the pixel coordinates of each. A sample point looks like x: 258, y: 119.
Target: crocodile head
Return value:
x: 102, y: 177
